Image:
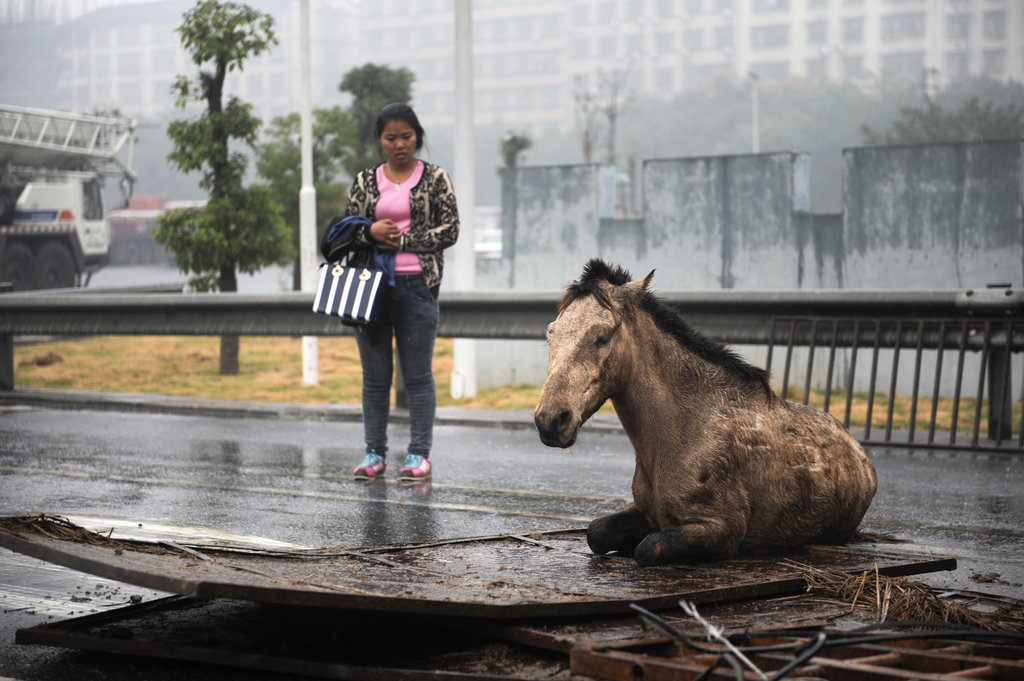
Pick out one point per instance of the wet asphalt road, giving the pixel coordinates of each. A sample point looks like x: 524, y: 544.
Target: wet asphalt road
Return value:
x: 285, y: 478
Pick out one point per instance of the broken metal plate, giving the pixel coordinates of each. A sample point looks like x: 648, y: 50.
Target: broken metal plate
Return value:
x: 509, y: 576
x: 842, y: 657
x: 306, y: 641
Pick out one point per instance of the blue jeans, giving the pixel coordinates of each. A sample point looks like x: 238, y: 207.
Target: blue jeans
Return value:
x: 414, y: 328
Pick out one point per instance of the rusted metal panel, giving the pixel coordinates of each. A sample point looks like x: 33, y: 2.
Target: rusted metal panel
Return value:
x: 923, y: 659
x: 540, y: 575
x: 296, y: 640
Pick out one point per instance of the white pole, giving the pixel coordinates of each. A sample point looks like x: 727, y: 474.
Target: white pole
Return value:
x: 464, y: 372
x: 307, y: 200
x: 755, y: 113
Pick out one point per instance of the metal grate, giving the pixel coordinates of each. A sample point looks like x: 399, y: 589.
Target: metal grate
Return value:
x: 873, y: 658
x: 871, y: 364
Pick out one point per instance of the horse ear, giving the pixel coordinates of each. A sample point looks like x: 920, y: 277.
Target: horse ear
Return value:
x: 635, y: 289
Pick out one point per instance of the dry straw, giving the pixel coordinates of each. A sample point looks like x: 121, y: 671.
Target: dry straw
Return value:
x: 894, y: 599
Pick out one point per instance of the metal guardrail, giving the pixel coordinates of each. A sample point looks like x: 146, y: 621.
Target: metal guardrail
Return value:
x: 986, y: 323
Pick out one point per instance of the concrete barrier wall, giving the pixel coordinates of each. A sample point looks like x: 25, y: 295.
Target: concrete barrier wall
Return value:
x: 934, y: 216
x: 917, y: 217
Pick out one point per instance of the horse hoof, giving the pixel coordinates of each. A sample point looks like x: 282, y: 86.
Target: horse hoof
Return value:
x: 648, y: 553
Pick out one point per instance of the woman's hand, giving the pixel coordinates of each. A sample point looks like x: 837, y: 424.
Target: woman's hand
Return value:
x: 386, y: 234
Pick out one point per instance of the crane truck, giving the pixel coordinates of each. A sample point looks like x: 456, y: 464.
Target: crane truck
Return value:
x: 53, y: 166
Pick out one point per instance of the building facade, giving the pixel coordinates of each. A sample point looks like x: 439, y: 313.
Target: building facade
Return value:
x: 533, y: 59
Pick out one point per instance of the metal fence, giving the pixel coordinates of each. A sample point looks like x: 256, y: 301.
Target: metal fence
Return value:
x: 941, y: 361
x: 948, y: 380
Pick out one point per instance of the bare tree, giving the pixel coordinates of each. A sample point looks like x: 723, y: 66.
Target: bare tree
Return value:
x: 587, y: 110
x: 606, y: 102
x: 614, y: 97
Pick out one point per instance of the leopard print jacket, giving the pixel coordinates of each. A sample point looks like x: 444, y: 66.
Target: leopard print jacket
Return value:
x: 435, y: 217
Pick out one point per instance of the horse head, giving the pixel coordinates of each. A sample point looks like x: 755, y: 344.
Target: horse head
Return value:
x: 588, y: 350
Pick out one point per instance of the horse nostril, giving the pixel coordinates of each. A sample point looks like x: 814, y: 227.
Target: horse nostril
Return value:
x: 548, y: 422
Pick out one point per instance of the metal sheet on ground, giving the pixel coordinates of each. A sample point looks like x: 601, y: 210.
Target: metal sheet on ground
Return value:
x: 827, y: 654
x: 307, y: 641
x: 510, y: 576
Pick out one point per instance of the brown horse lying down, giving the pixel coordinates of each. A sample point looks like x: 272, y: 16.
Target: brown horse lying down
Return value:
x: 723, y: 464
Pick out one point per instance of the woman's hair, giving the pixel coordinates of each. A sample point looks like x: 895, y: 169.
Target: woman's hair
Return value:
x: 399, y: 111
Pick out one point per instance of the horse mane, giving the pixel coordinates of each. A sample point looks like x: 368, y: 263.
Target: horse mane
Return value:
x: 668, y: 321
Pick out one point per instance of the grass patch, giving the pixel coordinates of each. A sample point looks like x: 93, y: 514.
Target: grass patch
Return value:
x: 270, y: 370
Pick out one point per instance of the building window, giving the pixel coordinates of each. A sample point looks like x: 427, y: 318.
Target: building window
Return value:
x: 958, y: 27
x: 663, y: 42
x: 903, y: 26
x: 769, y: 5
x: 606, y: 12
x: 853, y: 67
x: 526, y: 98
x: 694, y: 7
x: 958, y: 64
x: 770, y: 36
x: 772, y: 70
x: 499, y: 100
x: 693, y: 40
x: 100, y: 65
x: 993, y: 63
x: 129, y: 64
x: 816, y: 68
x: 903, y: 63
x: 664, y: 79
x: 130, y: 92
x: 853, y: 31
x: 723, y: 6
x: 635, y: 45
x: 163, y: 60
x: 994, y: 25
x: 723, y: 37
x: 581, y: 48
x: 816, y: 32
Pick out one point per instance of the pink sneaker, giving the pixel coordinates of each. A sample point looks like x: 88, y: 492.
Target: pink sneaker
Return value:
x: 372, y: 466
x: 416, y: 468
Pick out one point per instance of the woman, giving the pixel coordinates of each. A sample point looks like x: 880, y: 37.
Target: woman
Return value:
x: 411, y: 205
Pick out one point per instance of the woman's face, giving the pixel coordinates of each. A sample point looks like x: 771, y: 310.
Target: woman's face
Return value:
x: 398, y: 142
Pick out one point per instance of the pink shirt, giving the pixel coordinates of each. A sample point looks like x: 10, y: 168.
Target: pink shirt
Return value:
x: 394, y: 204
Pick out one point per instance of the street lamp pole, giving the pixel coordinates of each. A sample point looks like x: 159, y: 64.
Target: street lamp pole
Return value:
x: 755, y: 113
x: 307, y: 199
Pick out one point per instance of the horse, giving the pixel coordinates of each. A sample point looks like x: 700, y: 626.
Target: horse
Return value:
x: 724, y: 465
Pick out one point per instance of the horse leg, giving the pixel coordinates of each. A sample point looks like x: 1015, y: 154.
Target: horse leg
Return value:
x: 686, y: 543
x: 620, y: 531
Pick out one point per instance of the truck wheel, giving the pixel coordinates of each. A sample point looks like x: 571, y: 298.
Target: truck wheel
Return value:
x: 18, y: 267
x: 56, y: 266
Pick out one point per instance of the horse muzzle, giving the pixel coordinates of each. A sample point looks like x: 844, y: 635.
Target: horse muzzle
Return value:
x: 557, y: 427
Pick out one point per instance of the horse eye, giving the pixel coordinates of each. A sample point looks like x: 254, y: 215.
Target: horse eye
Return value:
x: 603, y: 340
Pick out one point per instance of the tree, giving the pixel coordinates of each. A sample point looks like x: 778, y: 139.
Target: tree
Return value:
x: 587, y: 109
x: 974, y: 121
x: 279, y: 162
x: 239, y: 228
x: 608, y: 102
x: 372, y: 87
x: 512, y: 144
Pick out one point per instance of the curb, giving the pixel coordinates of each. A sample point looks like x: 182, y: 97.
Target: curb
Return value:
x: 147, y: 403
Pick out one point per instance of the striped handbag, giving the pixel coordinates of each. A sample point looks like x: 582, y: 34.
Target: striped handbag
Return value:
x: 357, y: 294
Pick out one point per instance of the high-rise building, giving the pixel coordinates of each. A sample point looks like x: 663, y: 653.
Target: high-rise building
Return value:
x: 104, y: 54
x: 534, y: 58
